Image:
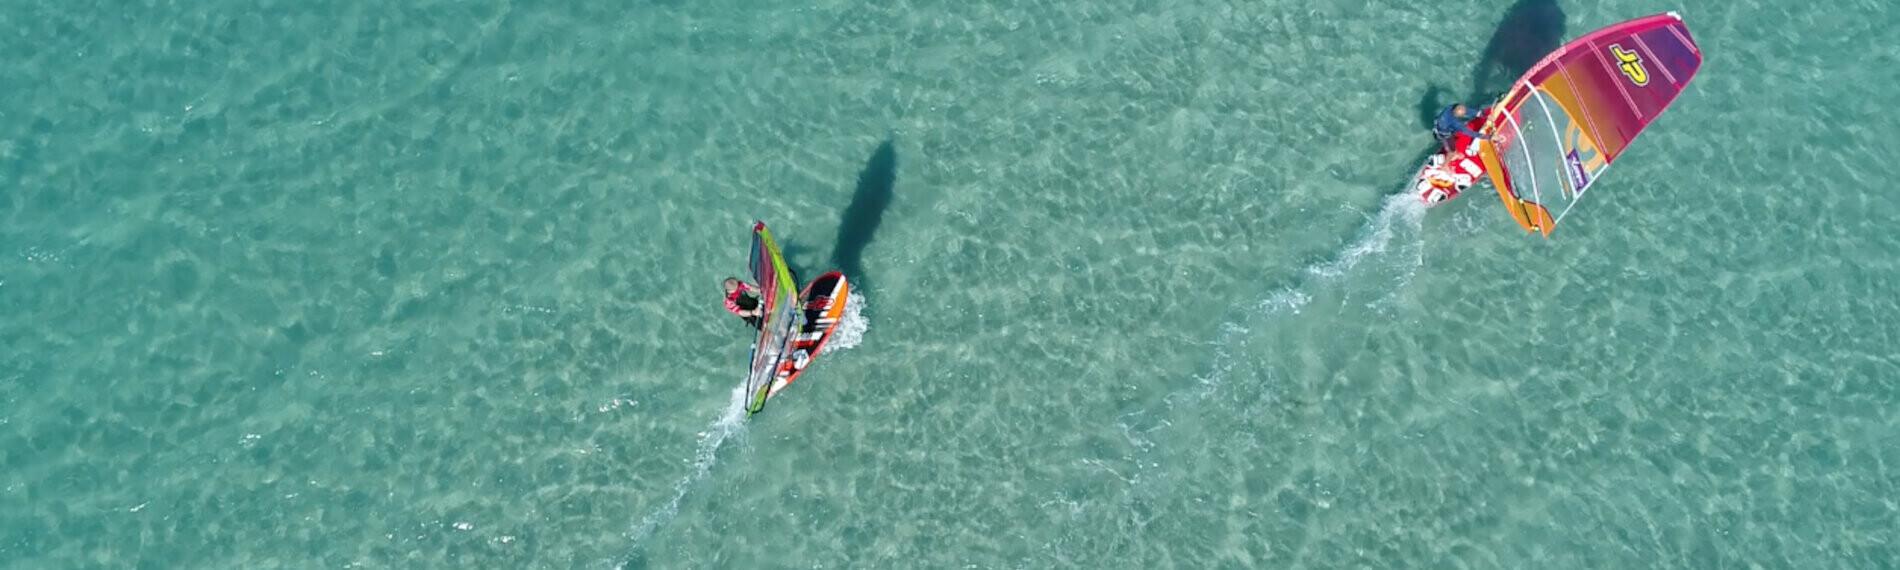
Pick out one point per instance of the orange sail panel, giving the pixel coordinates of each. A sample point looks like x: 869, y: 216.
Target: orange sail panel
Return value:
x: 1562, y: 124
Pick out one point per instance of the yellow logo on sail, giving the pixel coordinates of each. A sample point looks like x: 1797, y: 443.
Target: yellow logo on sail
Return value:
x: 1632, y: 65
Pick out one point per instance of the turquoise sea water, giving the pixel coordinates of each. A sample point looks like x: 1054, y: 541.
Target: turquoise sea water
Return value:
x: 435, y: 285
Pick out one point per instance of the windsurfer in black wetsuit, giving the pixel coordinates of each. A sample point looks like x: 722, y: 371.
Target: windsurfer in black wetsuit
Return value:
x: 1452, y: 121
x: 743, y: 300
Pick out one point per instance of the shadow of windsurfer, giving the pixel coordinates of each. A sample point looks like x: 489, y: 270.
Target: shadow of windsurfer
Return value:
x: 876, y: 187
x: 1529, y: 30
x: 795, y: 254
x: 1429, y: 104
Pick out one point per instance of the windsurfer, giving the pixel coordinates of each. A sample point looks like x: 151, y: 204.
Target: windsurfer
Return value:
x: 742, y: 299
x: 1452, y: 121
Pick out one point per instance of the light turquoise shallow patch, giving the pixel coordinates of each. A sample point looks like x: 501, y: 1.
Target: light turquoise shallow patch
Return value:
x: 434, y: 285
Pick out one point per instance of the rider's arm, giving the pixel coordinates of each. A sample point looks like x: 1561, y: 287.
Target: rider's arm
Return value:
x: 1467, y: 130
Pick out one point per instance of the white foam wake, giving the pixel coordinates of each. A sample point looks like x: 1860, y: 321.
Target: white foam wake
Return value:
x: 851, y: 329
x: 1402, y: 211
x: 1400, y: 214
x: 733, y: 421
x: 730, y: 423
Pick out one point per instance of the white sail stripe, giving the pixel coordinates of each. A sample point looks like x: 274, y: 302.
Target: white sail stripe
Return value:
x: 1563, y: 182
x: 1518, y: 129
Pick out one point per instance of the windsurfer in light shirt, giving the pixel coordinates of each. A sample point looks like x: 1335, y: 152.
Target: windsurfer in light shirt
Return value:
x: 743, y: 300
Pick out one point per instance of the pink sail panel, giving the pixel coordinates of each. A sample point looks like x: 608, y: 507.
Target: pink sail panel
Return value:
x: 1620, y: 78
x: 1567, y: 119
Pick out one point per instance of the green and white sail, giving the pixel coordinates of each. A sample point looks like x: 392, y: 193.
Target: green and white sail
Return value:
x: 778, y: 304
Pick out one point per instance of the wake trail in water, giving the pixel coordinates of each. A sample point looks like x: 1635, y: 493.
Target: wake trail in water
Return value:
x: 1400, y: 215
x: 730, y: 423
x: 850, y: 333
x: 1382, y: 256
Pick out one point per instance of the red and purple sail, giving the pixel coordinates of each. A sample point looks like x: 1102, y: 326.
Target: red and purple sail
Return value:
x: 1563, y: 123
